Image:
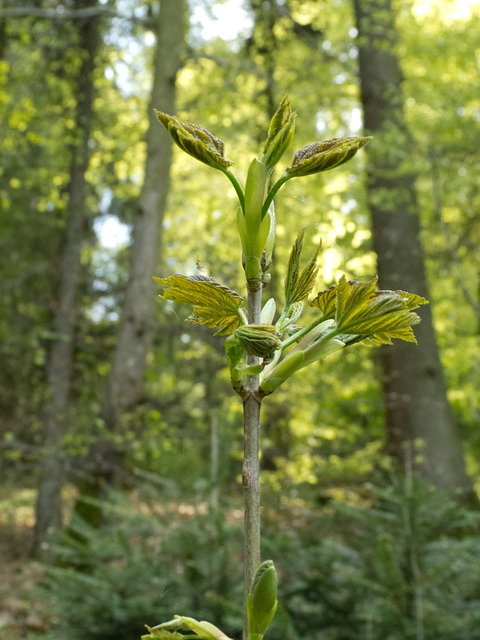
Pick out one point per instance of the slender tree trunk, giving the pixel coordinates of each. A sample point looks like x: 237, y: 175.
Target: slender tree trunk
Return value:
x: 60, y: 359
x: 126, y: 381
x: 418, y: 416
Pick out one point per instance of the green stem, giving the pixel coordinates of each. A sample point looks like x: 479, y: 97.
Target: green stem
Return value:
x: 251, y: 460
x: 298, y: 335
x: 273, y: 192
x: 236, y: 185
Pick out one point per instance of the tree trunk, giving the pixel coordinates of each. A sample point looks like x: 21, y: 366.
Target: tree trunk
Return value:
x: 60, y: 359
x: 126, y: 380
x: 419, y: 421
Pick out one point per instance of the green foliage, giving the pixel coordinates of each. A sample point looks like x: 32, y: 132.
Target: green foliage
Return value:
x: 184, y: 627
x: 327, y: 443
x: 154, y: 555
x: 351, y: 312
x: 366, y: 314
x: 402, y: 565
x: 214, y: 305
x: 396, y: 560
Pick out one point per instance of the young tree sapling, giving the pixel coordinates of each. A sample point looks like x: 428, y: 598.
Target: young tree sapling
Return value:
x: 263, y: 352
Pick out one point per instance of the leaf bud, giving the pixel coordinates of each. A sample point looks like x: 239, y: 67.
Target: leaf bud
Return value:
x: 254, y: 231
x: 259, y: 339
x: 262, y: 599
x: 322, y: 156
x: 269, y: 221
x: 195, y: 140
x: 268, y: 312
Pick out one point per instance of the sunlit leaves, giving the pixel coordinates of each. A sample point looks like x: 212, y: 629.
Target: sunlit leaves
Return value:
x: 362, y: 312
x: 214, y: 305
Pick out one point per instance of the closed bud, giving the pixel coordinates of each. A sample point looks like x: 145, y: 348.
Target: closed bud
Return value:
x: 253, y: 230
x: 322, y: 156
x: 260, y: 340
x: 195, y: 140
x: 268, y: 312
x: 269, y: 243
x: 262, y: 599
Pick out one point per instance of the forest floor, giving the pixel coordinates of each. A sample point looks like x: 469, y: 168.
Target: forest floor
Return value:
x: 21, y: 615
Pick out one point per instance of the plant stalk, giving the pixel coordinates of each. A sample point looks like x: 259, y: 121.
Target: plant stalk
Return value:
x: 252, y: 402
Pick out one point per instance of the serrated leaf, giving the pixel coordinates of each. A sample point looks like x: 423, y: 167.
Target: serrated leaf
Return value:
x: 363, y: 313
x: 162, y: 634
x: 214, y: 305
x: 299, y: 284
x: 326, y: 301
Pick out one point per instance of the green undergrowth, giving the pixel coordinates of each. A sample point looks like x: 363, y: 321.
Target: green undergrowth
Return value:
x: 394, y: 559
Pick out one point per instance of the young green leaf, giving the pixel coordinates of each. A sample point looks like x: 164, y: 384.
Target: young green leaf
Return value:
x: 298, y: 285
x: 214, y: 305
x: 191, y: 628
x: 322, y: 156
x: 326, y: 301
x: 280, y: 134
x: 195, y: 140
x: 363, y: 313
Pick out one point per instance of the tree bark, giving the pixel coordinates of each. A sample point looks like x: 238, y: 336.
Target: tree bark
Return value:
x: 60, y: 358
x: 419, y: 421
x: 126, y: 381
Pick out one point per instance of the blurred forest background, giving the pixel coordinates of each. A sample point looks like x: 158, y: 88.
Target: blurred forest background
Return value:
x: 120, y: 437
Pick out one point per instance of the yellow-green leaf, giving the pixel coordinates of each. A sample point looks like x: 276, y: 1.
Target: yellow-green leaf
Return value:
x: 299, y: 284
x: 364, y: 313
x: 326, y: 301
x: 214, y: 305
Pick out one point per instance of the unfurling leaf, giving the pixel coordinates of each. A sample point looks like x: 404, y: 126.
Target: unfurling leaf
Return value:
x: 195, y: 140
x: 363, y: 313
x: 181, y: 627
x: 214, y: 305
x: 322, y: 156
x: 298, y: 285
x: 280, y: 134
